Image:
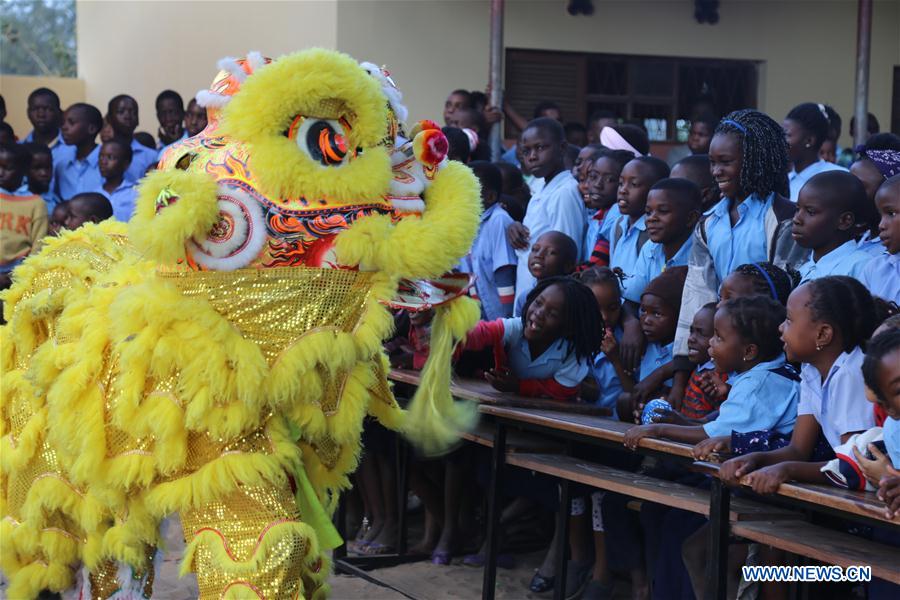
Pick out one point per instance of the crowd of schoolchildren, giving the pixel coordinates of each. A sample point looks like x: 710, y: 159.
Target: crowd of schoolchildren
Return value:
x: 742, y: 299
x: 58, y: 176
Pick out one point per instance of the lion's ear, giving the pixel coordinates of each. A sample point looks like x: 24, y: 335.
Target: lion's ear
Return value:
x: 172, y: 208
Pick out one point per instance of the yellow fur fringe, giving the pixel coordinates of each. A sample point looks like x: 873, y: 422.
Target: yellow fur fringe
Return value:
x: 160, y: 232
x: 267, y: 104
x: 435, y: 420
x: 420, y: 248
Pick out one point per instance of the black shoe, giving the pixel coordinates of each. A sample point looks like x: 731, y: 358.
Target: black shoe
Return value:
x: 577, y: 577
x: 540, y: 584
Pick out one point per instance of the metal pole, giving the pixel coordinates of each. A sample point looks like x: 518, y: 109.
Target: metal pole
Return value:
x: 496, y: 68
x: 863, y: 49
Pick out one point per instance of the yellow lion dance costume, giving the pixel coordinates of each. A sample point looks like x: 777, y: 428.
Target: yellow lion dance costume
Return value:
x: 212, y: 364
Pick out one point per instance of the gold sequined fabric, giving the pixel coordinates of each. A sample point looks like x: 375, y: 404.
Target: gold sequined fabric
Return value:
x: 238, y: 526
x: 275, y: 307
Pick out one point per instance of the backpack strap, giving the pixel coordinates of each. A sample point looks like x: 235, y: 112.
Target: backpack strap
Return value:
x: 786, y: 371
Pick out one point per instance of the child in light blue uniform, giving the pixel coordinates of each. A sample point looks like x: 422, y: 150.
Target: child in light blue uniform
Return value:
x: 547, y: 352
x: 492, y: 259
x: 558, y: 205
x: 607, y: 371
x: 600, y: 191
x: 658, y: 317
x: 880, y: 368
x: 553, y: 254
x: 115, y: 158
x: 752, y: 223
x: 77, y: 168
x: 629, y: 232
x: 826, y: 321
x: 672, y: 210
x: 806, y: 128
x: 764, y: 388
x: 828, y: 209
x: 882, y: 274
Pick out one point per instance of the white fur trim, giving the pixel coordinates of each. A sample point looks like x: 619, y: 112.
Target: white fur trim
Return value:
x: 240, y: 235
x: 231, y: 65
x: 389, y: 89
x: 255, y: 60
x: 208, y: 99
x: 407, y: 205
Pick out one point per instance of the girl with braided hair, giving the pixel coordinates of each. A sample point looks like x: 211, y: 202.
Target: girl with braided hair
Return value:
x: 751, y: 224
x: 547, y: 352
x: 807, y: 127
x: 827, y: 322
x: 764, y: 279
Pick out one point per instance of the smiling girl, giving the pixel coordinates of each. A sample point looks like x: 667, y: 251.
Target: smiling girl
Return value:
x: 764, y: 388
x: 548, y: 351
x: 827, y: 321
x: 752, y: 223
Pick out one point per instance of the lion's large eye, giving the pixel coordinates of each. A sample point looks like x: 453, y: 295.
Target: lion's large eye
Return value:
x: 324, y: 140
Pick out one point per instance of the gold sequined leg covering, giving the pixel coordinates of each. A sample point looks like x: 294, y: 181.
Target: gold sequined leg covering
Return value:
x: 253, y: 544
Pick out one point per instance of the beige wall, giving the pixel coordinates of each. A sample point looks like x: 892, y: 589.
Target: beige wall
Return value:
x: 433, y: 46
x: 15, y: 90
x: 141, y: 48
x: 808, y: 46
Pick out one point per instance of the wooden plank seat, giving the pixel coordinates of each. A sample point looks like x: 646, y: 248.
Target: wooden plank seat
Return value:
x: 864, y: 504
x: 516, y: 440
x: 825, y: 545
x: 586, y: 425
x: 483, y: 393
x: 664, y: 492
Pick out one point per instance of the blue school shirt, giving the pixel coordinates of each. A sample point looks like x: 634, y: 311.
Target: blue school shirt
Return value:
x: 847, y: 259
x: 50, y: 199
x: 73, y: 176
x: 490, y: 252
x: 122, y: 199
x: 556, y: 207
x: 761, y: 399
x: 891, y: 432
x: 798, y: 180
x: 625, y: 244
x: 591, y: 234
x: 839, y: 404
x: 612, y: 215
x: 871, y: 245
x: 57, y: 147
x: 731, y: 247
x: 882, y: 277
x: 607, y: 381
x: 142, y: 157
x: 556, y: 362
x: 510, y: 156
x: 652, y: 262
x: 655, y: 356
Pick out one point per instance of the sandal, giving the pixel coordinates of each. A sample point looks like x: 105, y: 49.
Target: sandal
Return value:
x: 540, y: 583
x: 376, y: 548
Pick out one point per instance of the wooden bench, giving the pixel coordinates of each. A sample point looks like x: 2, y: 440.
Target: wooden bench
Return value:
x: 484, y: 394
x: 835, y: 499
x: 668, y: 493
x: 825, y: 545
x: 585, y: 425
x: 516, y: 441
